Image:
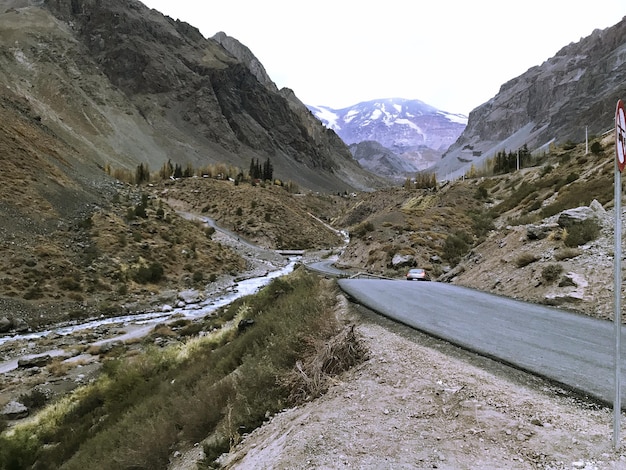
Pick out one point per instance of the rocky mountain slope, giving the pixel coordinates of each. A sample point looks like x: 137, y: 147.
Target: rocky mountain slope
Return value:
x: 412, y: 134
x: 555, y: 102
x: 125, y: 85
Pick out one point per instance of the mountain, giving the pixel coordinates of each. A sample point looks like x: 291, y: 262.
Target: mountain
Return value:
x: 124, y: 85
x: 553, y: 103
x: 415, y: 133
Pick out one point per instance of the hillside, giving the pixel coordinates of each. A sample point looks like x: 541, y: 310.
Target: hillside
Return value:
x: 504, y: 233
x: 555, y: 102
x: 124, y: 85
x: 92, y: 91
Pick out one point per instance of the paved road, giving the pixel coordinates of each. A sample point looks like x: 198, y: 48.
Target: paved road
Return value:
x: 575, y: 350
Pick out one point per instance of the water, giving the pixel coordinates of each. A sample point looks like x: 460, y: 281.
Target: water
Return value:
x: 140, y: 325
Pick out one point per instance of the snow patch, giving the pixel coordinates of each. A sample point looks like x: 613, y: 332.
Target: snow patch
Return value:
x: 412, y: 125
x: 458, y: 118
x: 331, y: 118
x: 376, y: 114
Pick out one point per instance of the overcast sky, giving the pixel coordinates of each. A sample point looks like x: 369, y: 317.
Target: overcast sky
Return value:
x: 452, y: 54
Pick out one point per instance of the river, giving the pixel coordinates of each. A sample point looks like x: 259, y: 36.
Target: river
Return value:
x: 139, y: 325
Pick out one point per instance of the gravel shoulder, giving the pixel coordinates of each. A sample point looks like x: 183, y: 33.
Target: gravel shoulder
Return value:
x: 423, y: 403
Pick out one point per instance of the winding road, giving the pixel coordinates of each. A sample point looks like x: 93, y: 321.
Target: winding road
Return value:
x: 574, y: 350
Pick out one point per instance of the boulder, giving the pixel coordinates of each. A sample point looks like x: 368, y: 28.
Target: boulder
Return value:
x: 190, y: 296
x: 34, y: 361
x: 5, y: 324
x: 577, y: 215
x: 399, y: 261
x: 20, y: 325
x: 539, y: 232
x: 14, y: 410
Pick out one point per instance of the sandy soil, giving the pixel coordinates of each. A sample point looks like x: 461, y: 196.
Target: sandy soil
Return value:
x: 421, y: 403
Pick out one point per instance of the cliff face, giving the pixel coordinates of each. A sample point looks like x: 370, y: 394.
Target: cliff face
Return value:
x: 149, y: 89
x: 575, y: 90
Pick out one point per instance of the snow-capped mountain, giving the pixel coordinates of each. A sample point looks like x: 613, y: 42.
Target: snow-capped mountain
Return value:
x: 414, y: 131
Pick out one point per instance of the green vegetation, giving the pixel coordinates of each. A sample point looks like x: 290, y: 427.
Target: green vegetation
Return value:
x: 551, y: 272
x: 221, y: 384
x: 362, y: 229
x: 455, y: 246
x: 581, y: 233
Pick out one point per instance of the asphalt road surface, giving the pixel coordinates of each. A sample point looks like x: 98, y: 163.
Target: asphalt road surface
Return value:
x: 573, y: 349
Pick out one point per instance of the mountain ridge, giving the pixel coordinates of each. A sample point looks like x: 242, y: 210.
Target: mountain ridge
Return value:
x: 128, y: 85
x: 569, y: 94
x: 414, y: 134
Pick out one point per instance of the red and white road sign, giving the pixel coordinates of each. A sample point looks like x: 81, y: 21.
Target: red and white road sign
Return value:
x: 620, y: 135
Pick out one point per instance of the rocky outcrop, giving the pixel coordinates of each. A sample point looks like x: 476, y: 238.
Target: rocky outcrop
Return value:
x: 556, y: 101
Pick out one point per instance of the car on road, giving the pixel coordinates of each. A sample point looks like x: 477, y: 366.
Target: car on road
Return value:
x: 417, y: 274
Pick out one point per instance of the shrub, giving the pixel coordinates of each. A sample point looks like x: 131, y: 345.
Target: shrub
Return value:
x: 33, y: 399
x: 596, y: 148
x: 566, y: 253
x: 145, y: 274
x: 363, y: 229
x: 581, y: 233
x: 525, y: 259
x: 70, y: 283
x: 456, y: 246
x: 551, y: 272
x: 481, y: 193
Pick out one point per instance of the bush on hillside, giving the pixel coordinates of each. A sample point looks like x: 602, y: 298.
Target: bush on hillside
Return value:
x: 551, y: 272
x: 584, y: 232
x: 456, y: 246
x: 525, y: 259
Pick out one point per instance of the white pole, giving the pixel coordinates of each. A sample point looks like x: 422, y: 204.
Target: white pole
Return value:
x: 586, y: 140
x: 617, y: 291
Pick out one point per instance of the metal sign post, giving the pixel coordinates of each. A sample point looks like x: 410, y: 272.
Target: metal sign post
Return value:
x: 620, y: 162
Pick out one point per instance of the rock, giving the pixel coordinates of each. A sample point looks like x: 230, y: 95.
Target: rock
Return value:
x: 167, y: 308
x: 539, y: 232
x: 5, y: 324
x: 34, y: 361
x: 14, y: 410
x: 20, y: 325
x: 245, y: 323
x: 577, y: 215
x: 597, y: 207
x: 400, y: 261
x: 190, y: 296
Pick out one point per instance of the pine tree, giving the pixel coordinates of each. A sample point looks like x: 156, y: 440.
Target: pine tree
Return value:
x: 268, y: 170
x: 142, y: 174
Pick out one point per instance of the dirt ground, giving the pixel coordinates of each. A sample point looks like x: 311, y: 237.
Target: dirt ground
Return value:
x: 420, y: 403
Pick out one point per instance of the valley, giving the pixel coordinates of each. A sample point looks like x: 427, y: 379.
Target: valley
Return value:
x: 133, y: 329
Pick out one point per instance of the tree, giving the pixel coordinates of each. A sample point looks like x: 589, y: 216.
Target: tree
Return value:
x: 166, y: 170
x: 268, y: 170
x: 178, y: 171
x: 142, y: 174
x: 255, y: 169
